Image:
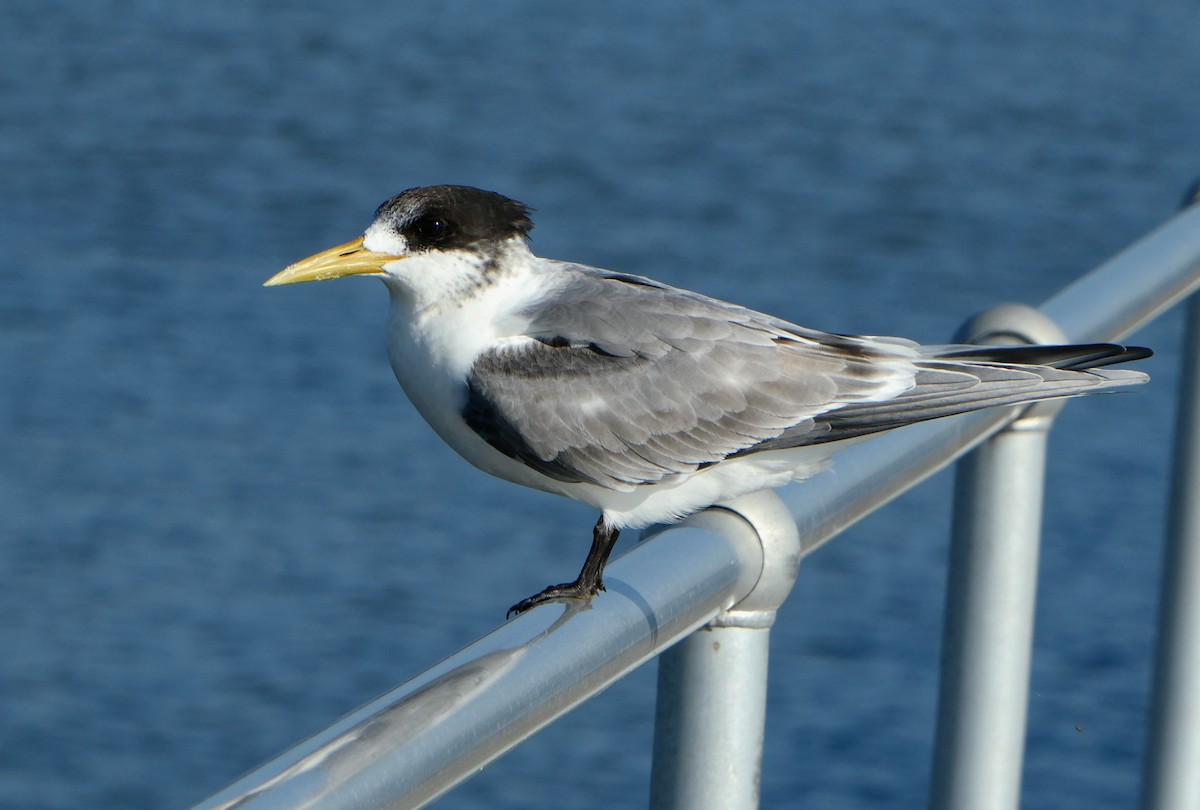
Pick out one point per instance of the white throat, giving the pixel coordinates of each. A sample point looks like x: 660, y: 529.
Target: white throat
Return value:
x: 446, y: 309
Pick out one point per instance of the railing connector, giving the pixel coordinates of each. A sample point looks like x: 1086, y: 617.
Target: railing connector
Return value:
x: 776, y: 529
x: 991, y: 592
x: 712, y: 686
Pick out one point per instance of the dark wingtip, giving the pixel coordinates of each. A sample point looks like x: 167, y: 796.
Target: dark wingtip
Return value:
x: 1136, y: 353
x: 1120, y: 354
x: 1072, y: 357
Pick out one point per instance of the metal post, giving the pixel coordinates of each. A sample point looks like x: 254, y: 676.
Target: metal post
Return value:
x: 991, y: 591
x: 711, y: 709
x: 712, y: 687
x: 1172, y: 767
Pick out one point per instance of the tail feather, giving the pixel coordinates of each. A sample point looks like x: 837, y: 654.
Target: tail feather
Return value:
x: 960, y: 379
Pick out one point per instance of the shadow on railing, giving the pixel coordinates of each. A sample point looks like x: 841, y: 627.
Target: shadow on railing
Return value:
x: 728, y: 569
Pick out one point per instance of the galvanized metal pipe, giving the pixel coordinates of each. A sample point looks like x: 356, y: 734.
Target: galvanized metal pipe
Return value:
x: 987, y: 641
x: 988, y: 636
x: 1135, y: 286
x: 712, y: 687
x: 419, y: 740
x: 1172, y: 766
x: 709, y: 720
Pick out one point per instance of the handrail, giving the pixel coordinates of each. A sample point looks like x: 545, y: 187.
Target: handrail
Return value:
x: 420, y: 739
x: 417, y: 741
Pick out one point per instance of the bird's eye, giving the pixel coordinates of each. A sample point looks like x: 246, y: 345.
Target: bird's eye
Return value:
x: 432, y: 229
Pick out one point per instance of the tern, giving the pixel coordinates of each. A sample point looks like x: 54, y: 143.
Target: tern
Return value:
x: 646, y: 401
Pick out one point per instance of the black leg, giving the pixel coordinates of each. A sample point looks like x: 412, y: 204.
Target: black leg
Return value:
x: 590, y: 580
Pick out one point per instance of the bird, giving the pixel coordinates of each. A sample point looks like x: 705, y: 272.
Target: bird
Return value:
x: 646, y: 401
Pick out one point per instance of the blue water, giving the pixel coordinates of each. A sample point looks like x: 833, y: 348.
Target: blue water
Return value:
x: 221, y: 525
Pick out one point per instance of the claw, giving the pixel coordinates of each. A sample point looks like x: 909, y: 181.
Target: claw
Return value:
x: 555, y: 593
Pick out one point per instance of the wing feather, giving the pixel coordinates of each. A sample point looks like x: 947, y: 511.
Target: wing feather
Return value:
x: 624, y: 381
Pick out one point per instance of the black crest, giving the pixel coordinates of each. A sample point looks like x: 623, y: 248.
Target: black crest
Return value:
x: 445, y: 217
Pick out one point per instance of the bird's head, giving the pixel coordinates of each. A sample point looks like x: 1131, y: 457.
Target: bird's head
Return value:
x: 420, y: 222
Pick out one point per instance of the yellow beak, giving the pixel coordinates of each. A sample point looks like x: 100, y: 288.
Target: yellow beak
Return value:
x: 350, y: 259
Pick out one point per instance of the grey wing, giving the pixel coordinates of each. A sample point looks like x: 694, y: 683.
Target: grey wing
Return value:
x: 623, y: 381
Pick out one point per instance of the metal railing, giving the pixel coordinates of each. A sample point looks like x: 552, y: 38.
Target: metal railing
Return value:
x: 704, y: 595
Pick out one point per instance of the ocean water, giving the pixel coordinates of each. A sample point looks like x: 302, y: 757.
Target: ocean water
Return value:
x: 222, y: 526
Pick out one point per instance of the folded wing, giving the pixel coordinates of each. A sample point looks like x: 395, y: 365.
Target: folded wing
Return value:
x: 622, y: 381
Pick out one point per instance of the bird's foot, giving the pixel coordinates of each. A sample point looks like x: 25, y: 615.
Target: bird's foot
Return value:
x: 557, y: 593
x: 590, y: 580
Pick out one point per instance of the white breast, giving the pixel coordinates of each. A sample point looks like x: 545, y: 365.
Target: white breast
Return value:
x: 443, y: 315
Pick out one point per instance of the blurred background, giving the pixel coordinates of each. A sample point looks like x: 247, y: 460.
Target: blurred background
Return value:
x: 221, y: 524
